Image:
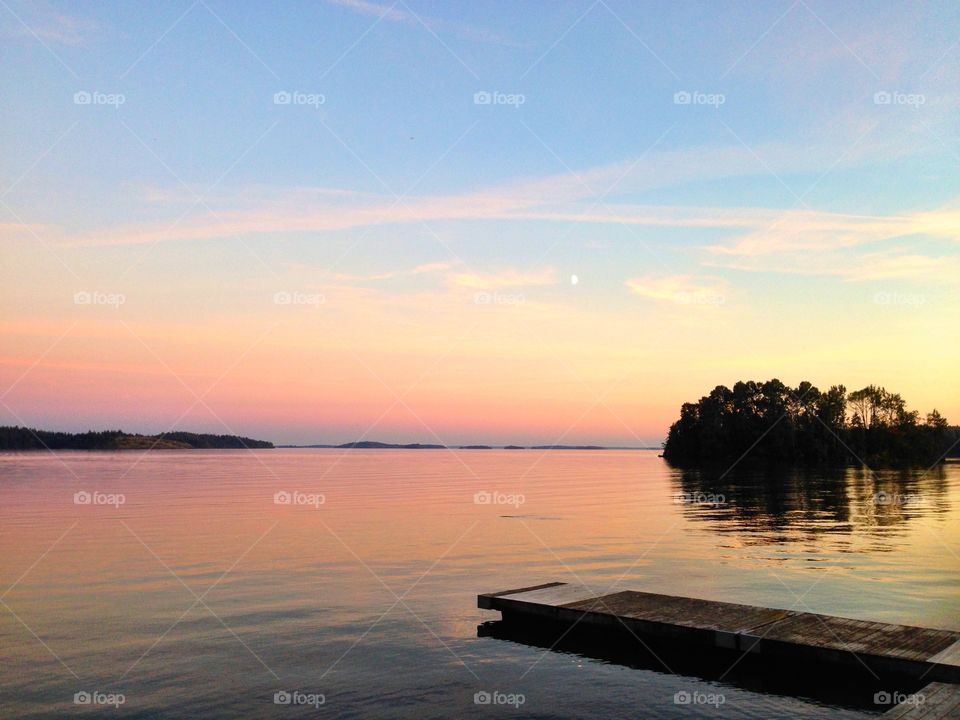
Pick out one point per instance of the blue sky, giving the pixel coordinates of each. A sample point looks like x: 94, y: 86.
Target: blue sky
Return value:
x: 398, y: 82
x: 815, y: 165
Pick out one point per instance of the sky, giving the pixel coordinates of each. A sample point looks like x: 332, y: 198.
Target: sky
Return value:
x: 484, y: 222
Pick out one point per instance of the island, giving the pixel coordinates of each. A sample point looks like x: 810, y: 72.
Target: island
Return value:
x: 373, y: 445
x: 774, y: 423
x: 376, y: 445
x: 23, y: 438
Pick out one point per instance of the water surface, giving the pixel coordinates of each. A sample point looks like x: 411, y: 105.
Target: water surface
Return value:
x: 200, y: 595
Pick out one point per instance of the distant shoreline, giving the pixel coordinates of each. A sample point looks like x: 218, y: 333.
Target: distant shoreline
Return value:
x: 372, y: 445
x: 23, y: 439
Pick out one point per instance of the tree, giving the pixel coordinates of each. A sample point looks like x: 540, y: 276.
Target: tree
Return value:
x: 771, y: 422
x: 936, y: 420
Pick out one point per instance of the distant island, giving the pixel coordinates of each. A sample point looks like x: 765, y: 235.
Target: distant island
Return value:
x: 374, y: 445
x: 22, y: 438
x: 771, y: 422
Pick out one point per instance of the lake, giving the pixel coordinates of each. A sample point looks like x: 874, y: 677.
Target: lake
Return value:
x: 203, y: 583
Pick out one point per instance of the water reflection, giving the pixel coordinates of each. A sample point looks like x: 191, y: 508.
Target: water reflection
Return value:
x: 714, y: 668
x: 765, y: 507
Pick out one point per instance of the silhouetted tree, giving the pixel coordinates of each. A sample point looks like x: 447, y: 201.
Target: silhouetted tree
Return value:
x: 772, y: 422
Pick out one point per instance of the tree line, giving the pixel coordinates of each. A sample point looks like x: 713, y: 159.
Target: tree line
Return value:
x: 770, y: 421
x: 22, y: 438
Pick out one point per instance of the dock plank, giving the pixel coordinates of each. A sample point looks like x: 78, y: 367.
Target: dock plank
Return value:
x: 949, y: 656
x: 555, y: 595
x: 940, y: 701
x: 861, y: 636
x: 689, y: 612
x: 915, y: 652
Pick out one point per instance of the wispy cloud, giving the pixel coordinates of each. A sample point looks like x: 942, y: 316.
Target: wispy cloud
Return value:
x: 422, y: 269
x: 761, y: 239
x: 508, y: 278
x: 813, y: 231
x: 680, y: 289
x: 853, y: 247
x: 400, y: 12
x: 553, y: 197
x: 372, y: 9
x: 58, y: 29
x: 901, y: 263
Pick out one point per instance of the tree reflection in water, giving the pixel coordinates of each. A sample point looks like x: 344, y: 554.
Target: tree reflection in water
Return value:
x: 824, y: 507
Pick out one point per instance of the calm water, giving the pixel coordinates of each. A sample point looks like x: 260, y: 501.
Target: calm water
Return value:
x: 201, y: 596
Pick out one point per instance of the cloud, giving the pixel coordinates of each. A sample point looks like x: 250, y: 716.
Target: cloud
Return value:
x: 680, y: 289
x: 853, y: 247
x: 59, y: 29
x: 392, y: 13
x: 550, y: 198
x: 810, y: 230
x: 508, y: 278
x: 759, y: 239
x: 900, y: 264
x: 24, y: 231
x: 422, y: 269
x: 387, y: 12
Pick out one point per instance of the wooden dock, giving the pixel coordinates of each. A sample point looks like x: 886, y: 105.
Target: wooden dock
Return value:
x: 901, y: 651
x: 937, y: 701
